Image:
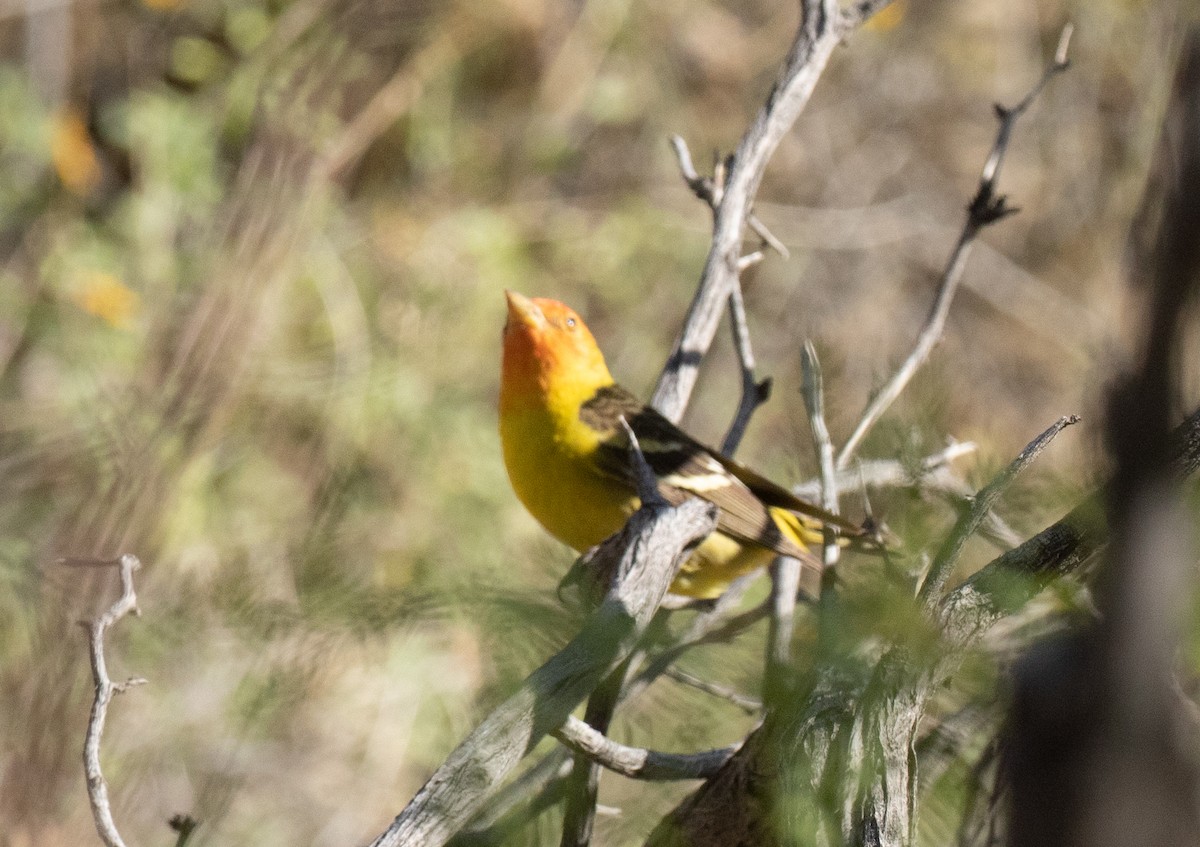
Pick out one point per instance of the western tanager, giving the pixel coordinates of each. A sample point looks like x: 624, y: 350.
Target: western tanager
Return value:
x: 569, y: 462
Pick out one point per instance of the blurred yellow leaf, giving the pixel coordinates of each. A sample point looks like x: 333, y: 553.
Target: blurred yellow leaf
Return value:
x: 889, y: 17
x: 162, y: 5
x: 74, y: 156
x: 104, y: 295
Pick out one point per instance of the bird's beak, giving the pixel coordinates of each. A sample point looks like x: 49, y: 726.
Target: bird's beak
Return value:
x: 524, y: 311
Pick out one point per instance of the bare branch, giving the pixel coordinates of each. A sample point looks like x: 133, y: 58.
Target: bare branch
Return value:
x: 813, y: 389
x: 819, y: 33
x: 893, y: 473
x: 649, y: 548
x: 747, y: 704
x: 647, y: 482
x: 106, y: 689
x: 947, y: 556
x: 749, y: 260
x: 638, y: 763
x: 754, y: 393
x: 785, y: 585
x: 704, y: 188
x: 700, y: 187
x: 985, y: 208
x: 931, y: 474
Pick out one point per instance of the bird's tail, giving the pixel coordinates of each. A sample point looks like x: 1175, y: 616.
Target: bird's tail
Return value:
x: 809, y: 532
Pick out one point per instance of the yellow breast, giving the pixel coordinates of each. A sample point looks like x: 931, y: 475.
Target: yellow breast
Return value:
x: 552, y: 470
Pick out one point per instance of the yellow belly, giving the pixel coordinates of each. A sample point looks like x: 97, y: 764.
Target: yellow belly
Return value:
x: 554, y: 479
x: 718, y: 561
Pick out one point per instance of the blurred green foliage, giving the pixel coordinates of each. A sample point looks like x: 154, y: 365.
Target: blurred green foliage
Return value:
x: 250, y: 303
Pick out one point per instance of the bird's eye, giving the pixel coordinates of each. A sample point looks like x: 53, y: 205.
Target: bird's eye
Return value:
x: 570, y: 323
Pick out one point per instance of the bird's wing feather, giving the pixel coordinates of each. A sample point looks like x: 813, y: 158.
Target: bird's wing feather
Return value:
x: 686, y: 467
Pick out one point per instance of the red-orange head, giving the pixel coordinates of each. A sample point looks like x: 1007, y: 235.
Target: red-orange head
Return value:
x: 550, y: 356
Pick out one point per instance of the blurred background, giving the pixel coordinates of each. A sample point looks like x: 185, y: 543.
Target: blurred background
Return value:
x: 252, y: 256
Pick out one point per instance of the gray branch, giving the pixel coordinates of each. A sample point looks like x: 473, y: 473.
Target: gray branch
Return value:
x: 930, y: 472
x: 754, y: 393
x: 637, y: 763
x: 106, y: 689
x: 981, y: 506
x: 985, y: 209
x: 813, y: 389
x: 650, y: 549
x: 749, y: 705
x: 818, y: 35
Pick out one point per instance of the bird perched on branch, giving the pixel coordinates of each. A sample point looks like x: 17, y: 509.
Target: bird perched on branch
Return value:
x: 568, y: 457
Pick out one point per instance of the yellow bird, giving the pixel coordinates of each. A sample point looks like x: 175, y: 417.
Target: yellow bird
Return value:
x: 568, y: 457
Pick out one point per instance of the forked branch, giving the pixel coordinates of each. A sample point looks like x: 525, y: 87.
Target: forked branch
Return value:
x: 822, y: 28
x: 106, y: 689
x: 986, y: 208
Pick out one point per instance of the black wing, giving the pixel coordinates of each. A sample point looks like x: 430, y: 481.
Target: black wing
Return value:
x: 685, y: 467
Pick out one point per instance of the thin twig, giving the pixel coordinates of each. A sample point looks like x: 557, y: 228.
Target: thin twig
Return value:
x: 813, y: 389
x: 749, y: 260
x: 749, y: 705
x: 816, y: 38
x: 893, y: 473
x: 703, y: 187
x: 985, y: 208
x: 785, y: 585
x: 583, y: 785
x: 754, y: 393
x: 638, y: 763
x: 106, y: 689
x: 931, y: 474
x: 947, y: 556
x: 647, y: 482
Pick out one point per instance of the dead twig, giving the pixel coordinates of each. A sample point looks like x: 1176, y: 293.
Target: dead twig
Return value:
x: 818, y: 35
x: 705, y: 189
x: 813, y: 390
x: 947, y: 557
x: 106, y: 689
x: 894, y: 473
x: 749, y: 705
x: 754, y: 393
x: 986, y: 208
x: 638, y: 763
